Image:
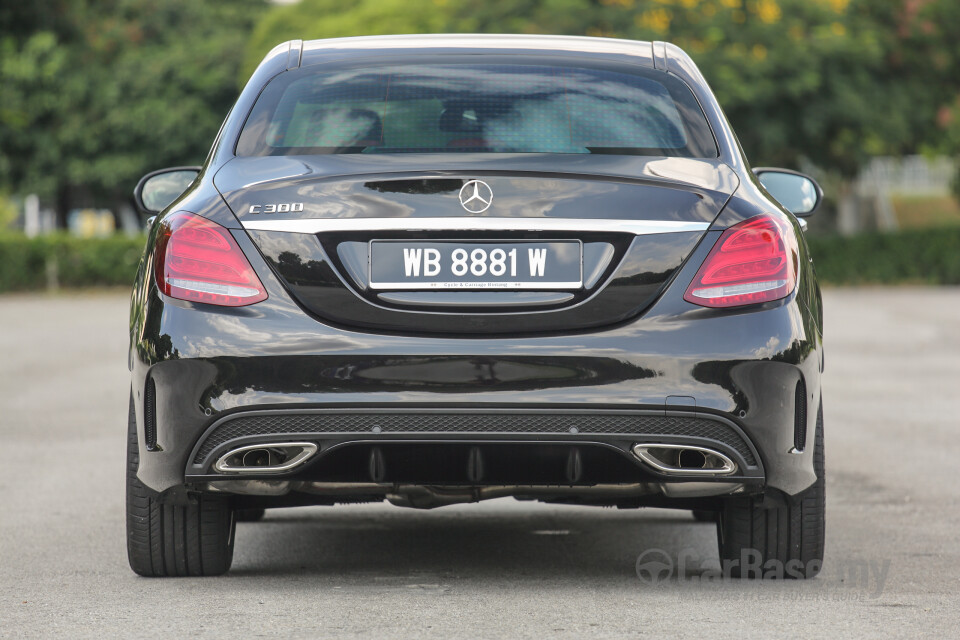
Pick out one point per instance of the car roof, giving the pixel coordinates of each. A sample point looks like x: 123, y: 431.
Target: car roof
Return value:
x: 317, y: 51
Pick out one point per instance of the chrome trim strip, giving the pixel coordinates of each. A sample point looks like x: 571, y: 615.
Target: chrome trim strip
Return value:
x: 475, y: 286
x: 294, y: 54
x: 322, y: 225
x: 475, y: 298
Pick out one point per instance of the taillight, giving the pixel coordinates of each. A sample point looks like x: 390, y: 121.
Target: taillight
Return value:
x: 752, y: 262
x: 196, y: 259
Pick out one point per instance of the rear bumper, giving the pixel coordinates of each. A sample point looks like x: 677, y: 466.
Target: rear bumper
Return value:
x: 712, y: 370
x: 575, y: 455
x: 478, y: 447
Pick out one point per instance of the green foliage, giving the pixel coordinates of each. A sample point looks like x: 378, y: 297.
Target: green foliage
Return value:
x: 8, y: 212
x: 923, y: 256
x: 330, y: 18
x: 32, y: 264
x: 831, y: 81
x: 95, y: 94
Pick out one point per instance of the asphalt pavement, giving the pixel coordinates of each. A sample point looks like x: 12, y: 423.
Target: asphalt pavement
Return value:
x: 496, y: 569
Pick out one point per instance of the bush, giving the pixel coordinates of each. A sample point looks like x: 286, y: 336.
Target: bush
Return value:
x: 923, y: 256
x: 59, y: 260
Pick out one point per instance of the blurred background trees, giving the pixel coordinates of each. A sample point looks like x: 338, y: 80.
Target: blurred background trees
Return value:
x: 96, y: 93
x: 831, y: 81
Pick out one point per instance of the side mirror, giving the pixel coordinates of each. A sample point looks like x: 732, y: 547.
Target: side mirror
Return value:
x: 158, y: 189
x: 799, y: 194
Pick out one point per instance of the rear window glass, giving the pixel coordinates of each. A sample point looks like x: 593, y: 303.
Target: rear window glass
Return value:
x: 471, y: 107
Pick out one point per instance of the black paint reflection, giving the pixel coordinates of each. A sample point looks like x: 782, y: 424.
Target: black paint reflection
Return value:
x: 415, y: 186
x: 437, y: 374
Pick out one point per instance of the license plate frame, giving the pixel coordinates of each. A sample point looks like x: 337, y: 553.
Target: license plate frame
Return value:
x: 561, y: 267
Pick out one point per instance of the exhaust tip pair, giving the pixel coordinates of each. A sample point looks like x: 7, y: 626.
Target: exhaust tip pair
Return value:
x: 671, y: 459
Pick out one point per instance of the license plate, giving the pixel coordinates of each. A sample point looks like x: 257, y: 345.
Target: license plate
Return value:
x: 402, y: 264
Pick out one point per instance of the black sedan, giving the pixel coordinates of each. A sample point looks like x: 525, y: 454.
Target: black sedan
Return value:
x: 443, y: 269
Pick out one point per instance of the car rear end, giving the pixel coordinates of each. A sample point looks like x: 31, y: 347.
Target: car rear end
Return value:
x: 421, y: 276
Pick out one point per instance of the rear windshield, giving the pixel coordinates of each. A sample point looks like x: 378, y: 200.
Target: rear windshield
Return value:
x: 471, y: 107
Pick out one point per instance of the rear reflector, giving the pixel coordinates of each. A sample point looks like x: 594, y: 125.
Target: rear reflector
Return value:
x: 198, y: 260
x: 800, y: 415
x: 752, y: 262
x: 150, y: 415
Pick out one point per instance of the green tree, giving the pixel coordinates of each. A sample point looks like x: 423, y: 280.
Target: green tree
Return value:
x: 96, y: 93
x: 310, y: 19
x: 830, y: 81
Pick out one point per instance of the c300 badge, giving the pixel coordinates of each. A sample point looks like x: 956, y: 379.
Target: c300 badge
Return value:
x: 281, y: 207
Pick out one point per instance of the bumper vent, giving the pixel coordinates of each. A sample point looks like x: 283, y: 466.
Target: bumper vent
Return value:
x: 150, y: 415
x: 800, y: 416
x: 366, y: 423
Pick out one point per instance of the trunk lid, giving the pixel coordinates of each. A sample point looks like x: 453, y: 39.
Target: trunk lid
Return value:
x: 315, y: 219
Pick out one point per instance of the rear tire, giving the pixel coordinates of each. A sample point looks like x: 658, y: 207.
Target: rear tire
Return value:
x: 172, y: 540
x: 773, y: 542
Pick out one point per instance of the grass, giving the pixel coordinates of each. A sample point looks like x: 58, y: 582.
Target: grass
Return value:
x: 921, y: 212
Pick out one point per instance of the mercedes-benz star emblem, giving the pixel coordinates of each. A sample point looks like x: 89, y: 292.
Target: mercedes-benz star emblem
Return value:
x: 476, y: 196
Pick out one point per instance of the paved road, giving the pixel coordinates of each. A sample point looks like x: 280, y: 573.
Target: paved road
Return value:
x: 497, y: 569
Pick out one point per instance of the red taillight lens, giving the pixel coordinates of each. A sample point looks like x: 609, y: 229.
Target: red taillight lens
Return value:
x: 752, y: 262
x: 196, y: 259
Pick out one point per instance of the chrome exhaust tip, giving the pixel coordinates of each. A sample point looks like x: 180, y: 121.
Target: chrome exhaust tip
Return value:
x: 265, y: 458
x: 684, y: 459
